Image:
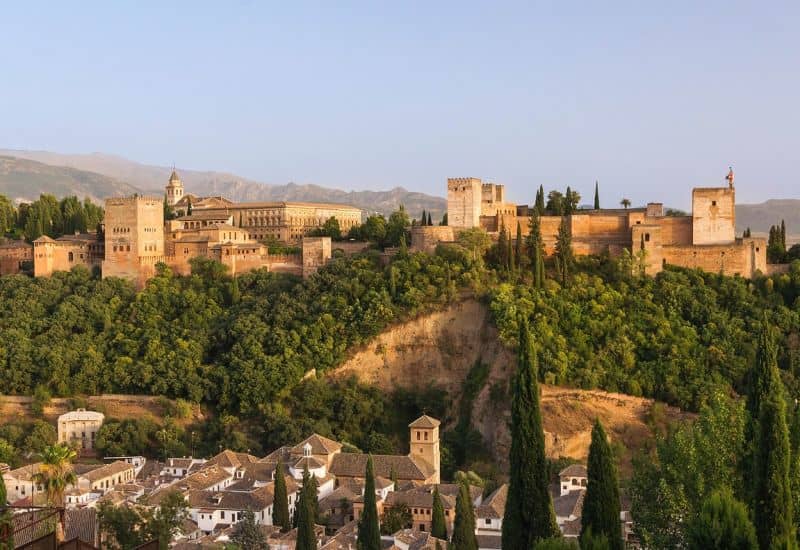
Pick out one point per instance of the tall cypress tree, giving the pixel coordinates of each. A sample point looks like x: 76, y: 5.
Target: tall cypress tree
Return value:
x: 540, y: 201
x: 529, y: 514
x: 783, y: 235
x: 424, y: 219
x: 464, y: 525
x: 6, y: 520
x: 430, y: 221
x: 304, y: 511
x: 601, y: 502
x: 563, y: 250
x: 518, y: 248
x: 772, y: 493
x: 280, y: 506
x: 596, y: 196
x: 369, y: 535
x: 535, y: 248
x: 502, y: 249
x: 438, y: 525
x: 568, y: 202
x: 510, y: 255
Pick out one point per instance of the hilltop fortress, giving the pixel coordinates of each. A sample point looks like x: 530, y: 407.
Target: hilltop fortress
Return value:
x: 706, y: 239
x: 136, y: 236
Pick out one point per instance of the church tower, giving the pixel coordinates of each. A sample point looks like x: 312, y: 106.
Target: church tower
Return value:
x: 174, y: 189
x: 425, y: 443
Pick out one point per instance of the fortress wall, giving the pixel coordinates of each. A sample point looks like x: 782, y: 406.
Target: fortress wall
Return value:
x: 425, y: 238
x: 675, y: 230
x: 743, y: 257
x: 11, y: 256
x: 464, y: 202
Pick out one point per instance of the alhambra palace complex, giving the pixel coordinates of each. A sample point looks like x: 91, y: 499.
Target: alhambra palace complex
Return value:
x: 705, y: 239
x: 137, y: 237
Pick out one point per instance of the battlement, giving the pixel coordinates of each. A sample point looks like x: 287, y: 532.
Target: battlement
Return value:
x: 126, y: 201
x: 460, y: 184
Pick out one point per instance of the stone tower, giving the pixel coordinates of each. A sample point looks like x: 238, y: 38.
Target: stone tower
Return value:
x: 174, y: 189
x: 713, y: 215
x: 134, y: 237
x: 425, y: 442
x: 464, y: 202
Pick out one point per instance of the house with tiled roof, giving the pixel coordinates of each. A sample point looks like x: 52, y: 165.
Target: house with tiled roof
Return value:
x: 412, y: 539
x: 574, y: 477
x: 489, y: 515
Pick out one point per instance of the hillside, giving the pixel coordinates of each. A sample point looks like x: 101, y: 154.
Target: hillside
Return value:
x: 151, y: 179
x: 22, y: 179
x: 440, y: 348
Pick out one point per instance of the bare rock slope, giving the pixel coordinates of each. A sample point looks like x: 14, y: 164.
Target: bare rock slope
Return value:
x: 439, y: 349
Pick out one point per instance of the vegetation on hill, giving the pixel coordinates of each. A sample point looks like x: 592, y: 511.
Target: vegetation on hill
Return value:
x: 48, y: 216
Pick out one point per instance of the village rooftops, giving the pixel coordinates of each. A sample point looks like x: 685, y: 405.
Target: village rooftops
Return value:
x: 494, y: 507
x: 569, y: 505
x: 230, y: 459
x: 107, y: 470
x: 319, y: 445
x: 24, y: 473
x: 573, y: 470
x: 355, y: 465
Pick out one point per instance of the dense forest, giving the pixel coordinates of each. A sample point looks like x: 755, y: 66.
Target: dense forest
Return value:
x: 48, y: 216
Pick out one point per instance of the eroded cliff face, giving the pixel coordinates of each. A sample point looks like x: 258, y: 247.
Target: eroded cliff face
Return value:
x: 439, y: 349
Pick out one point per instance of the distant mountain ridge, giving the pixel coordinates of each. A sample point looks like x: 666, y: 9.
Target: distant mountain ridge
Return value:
x: 99, y: 175
x: 759, y: 217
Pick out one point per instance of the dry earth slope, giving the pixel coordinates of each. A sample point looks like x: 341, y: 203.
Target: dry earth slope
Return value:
x: 439, y: 348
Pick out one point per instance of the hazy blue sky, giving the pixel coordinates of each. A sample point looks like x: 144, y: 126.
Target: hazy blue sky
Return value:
x: 650, y: 98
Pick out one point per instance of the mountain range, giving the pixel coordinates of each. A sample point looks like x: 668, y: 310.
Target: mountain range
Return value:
x: 26, y: 174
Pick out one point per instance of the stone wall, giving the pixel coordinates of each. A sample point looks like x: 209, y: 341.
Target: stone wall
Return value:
x: 12, y: 256
x: 425, y: 238
x: 742, y: 257
x: 316, y: 253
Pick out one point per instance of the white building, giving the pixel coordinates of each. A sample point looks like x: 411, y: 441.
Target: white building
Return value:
x: 79, y: 427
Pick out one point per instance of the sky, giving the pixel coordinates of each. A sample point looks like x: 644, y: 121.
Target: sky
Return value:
x: 648, y: 98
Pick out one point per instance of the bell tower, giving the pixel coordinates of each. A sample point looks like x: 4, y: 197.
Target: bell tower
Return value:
x: 425, y: 443
x: 174, y: 189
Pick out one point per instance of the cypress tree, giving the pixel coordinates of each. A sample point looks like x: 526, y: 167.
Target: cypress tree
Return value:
x: 535, y: 248
x: 596, y: 196
x: 369, y: 535
x: 510, y: 256
x: 6, y: 520
x: 430, y: 222
x: 601, y: 501
x: 306, y: 537
x: 783, y: 236
x: 464, y: 523
x: 563, y: 250
x: 280, y: 507
x: 540, y: 201
x: 438, y: 525
x: 772, y: 494
x: 444, y: 219
x: 424, y: 219
x: 518, y: 247
x: 529, y: 514
x: 568, y: 202
x: 502, y: 249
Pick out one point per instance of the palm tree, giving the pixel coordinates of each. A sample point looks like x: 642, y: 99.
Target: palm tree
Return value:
x: 55, y: 473
x: 625, y: 203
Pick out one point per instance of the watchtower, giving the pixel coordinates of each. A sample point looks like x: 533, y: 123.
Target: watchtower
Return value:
x: 425, y: 442
x: 464, y: 202
x: 174, y: 189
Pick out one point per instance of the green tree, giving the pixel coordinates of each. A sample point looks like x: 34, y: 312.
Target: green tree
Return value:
x: 539, y: 205
x: 464, y: 523
x: 280, y: 508
x: 565, y: 259
x: 304, y: 511
x: 423, y: 221
x: 529, y: 514
x: 164, y: 523
x: 601, y: 502
x: 772, y: 504
x: 121, y: 527
x: 444, y: 219
x: 596, y: 196
x: 247, y: 535
x: 369, y: 536
x: 535, y: 248
x: 518, y: 248
x: 438, y: 525
x: 430, y: 222
x: 503, y: 250
x: 395, y: 518
x: 625, y: 203
x: 722, y: 524
x: 555, y: 203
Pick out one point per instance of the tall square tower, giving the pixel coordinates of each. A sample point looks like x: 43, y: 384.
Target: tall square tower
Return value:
x: 425, y: 443
x: 134, y: 235
x: 464, y: 202
x: 713, y: 215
